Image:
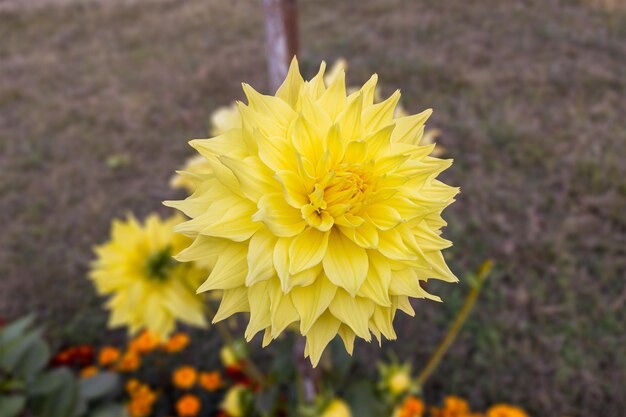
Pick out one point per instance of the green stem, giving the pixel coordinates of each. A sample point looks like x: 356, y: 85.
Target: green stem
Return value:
x: 456, y: 326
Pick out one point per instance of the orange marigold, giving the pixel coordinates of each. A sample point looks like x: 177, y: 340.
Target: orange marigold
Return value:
x: 176, y: 343
x: 505, y: 410
x: 184, y: 377
x: 188, y: 406
x: 132, y: 385
x: 108, y: 355
x: 129, y: 362
x: 412, y: 407
x: 145, y: 342
x: 210, y: 381
x: 88, y: 371
x: 142, y: 399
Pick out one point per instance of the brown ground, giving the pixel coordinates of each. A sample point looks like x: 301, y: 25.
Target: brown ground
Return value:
x: 97, y: 100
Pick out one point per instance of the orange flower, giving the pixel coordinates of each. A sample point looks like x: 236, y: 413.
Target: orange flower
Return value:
x: 184, y: 377
x: 145, y: 342
x: 132, y: 385
x: 505, y: 410
x: 88, y: 371
x: 412, y: 407
x: 188, y: 406
x: 210, y: 381
x: 176, y: 343
x: 142, y: 399
x: 108, y: 355
x: 455, y: 405
x: 129, y: 362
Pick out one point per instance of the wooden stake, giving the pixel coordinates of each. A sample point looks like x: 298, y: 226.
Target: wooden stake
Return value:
x: 281, y: 31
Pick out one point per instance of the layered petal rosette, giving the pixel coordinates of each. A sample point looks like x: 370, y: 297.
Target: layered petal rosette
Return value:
x: 320, y: 209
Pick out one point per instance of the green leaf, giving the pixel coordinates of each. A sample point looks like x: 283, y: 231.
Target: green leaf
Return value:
x: 11, y: 405
x: 363, y: 401
x: 48, y: 382
x: 13, y: 351
x: 109, y: 410
x: 33, y: 361
x: 265, y: 400
x: 15, y: 329
x: 62, y: 401
x: 99, y: 385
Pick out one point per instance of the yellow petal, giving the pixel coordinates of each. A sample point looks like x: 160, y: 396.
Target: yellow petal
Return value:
x: 345, y: 263
x: 282, y: 219
x: 230, y: 269
x: 260, y: 265
x: 307, y: 250
x: 290, y: 88
x: 353, y: 311
x: 234, y: 301
x: 312, y: 301
x: 320, y: 334
x: 259, y: 300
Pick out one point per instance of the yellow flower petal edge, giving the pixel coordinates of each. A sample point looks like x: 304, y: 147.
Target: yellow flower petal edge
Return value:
x: 147, y: 287
x: 321, y: 209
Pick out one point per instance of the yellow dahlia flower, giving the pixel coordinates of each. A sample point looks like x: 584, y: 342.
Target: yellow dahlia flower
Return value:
x: 321, y: 209
x: 148, y: 288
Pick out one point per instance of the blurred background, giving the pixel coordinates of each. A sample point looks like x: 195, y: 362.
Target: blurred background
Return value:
x: 99, y: 98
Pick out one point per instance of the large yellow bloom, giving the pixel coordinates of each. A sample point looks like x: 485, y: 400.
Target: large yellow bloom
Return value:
x: 321, y: 209
x: 149, y: 288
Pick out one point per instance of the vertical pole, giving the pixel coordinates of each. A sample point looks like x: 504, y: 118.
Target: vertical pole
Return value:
x: 281, y: 31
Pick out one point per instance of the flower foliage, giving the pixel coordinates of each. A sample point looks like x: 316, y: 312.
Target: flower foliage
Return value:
x: 148, y: 288
x: 321, y: 209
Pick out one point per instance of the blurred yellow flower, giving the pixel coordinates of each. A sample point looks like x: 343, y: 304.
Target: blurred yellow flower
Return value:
x: 184, y: 377
x: 337, y: 408
x: 188, y: 406
x: 228, y: 356
x: 89, y: 371
x: 130, y: 361
x: 108, y: 355
x: 148, y: 288
x: 505, y: 410
x: 176, y: 343
x: 232, y: 402
x: 341, y: 196
x: 145, y: 342
x: 396, y: 378
x: 210, y: 381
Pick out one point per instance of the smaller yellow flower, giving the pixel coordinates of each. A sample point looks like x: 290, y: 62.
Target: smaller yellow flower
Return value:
x: 505, y: 410
x: 232, y: 402
x: 396, y: 378
x: 108, y: 355
x: 129, y: 362
x: 399, y: 383
x: 176, y: 343
x: 145, y: 342
x: 228, y: 357
x: 188, y: 406
x: 210, y: 381
x: 88, y: 371
x: 337, y: 408
x: 184, y: 377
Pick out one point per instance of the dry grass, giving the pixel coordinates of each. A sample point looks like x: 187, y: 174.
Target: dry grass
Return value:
x: 529, y: 95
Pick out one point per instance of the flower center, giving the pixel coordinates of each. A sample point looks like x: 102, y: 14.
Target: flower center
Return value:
x: 341, y: 192
x: 159, y: 264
